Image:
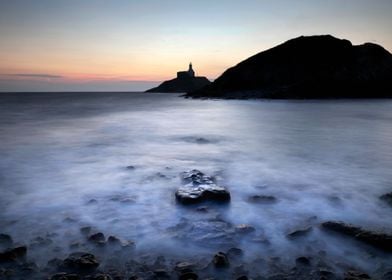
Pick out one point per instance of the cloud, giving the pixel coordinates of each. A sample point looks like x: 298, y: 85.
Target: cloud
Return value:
x: 46, y: 76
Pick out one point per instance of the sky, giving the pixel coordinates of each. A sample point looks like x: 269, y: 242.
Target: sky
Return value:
x: 131, y: 45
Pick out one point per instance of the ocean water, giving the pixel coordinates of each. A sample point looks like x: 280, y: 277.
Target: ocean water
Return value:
x: 64, y: 158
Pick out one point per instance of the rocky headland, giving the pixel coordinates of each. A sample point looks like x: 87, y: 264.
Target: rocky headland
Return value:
x: 186, y: 81
x: 307, y: 67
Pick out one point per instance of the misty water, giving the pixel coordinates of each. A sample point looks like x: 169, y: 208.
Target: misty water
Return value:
x: 64, y: 159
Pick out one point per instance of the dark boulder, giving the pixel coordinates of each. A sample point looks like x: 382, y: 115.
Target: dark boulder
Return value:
x: 14, y: 254
x: 308, y: 67
x: 199, y: 187
x: 81, y: 261
x: 302, y: 261
x: 378, y: 239
x: 97, y: 238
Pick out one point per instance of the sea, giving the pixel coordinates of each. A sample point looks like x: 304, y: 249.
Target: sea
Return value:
x: 111, y: 161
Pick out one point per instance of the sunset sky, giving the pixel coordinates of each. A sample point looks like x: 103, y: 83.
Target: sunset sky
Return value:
x: 125, y: 45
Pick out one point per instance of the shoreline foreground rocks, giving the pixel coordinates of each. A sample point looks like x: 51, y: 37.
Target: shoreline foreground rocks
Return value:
x: 199, y: 187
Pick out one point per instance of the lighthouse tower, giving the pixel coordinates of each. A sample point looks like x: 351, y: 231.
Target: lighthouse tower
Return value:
x: 190, y: 70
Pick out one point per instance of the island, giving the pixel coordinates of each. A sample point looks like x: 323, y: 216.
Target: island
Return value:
x: 186, y: 81
x: 307, y: 67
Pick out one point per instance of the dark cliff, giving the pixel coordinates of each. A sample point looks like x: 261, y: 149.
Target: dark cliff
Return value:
x: 308, y: 67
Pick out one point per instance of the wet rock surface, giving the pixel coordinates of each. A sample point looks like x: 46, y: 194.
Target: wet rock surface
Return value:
x: 262, y: 199
x: 380, y: 240
x: 299, y: 232
x: 199, y: 187
x: 387, y: 198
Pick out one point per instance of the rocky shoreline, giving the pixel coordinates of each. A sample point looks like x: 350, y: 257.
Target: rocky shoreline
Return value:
x: 100, y: 255
x: 15, y: 263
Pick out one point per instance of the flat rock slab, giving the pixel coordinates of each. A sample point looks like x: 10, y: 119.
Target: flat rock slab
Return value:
x: 380, y: 240
x: 199, y: 187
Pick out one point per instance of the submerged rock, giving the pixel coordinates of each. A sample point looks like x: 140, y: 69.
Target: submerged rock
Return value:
x: 199, y: 187
x: 244, y: 228
x: 378, y: 239
x: 220, y: 260
x: 387, y: 198
x: 262, y: 199
x: 212, y: 232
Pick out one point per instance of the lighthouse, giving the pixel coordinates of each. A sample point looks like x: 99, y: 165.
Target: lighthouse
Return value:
x: 190, y: 70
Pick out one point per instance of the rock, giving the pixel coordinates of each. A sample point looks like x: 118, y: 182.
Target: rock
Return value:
x: 307, y: 67
x: 161, y: 273
x: 97, y: 238
x: 387, y: 275
x: 92, y: 201
x: 54, y: 264
x: 188, y: 276
x: 387, y: 198
x: 100, y: 276
x: 303, y: 261
x: 14, y: 254
x: 199, y: 187
x: 183, y: 266
x: 356, y: 275
x: 299, y: 232
x: 65, y: 276
x: 81, y: 261
x: 380, y: 240
x: 244, y: 228
x: 40, y: 242
x: 220, y: 260
x: 262, y: 199
x: 114, y: 240
x: 130, y: 167
x: 5, y: 241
